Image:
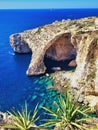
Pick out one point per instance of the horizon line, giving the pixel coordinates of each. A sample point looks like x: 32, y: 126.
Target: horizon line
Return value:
x: 42, y: 8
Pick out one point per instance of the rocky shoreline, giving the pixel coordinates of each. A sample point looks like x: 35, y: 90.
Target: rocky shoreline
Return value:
x: 74, y: 40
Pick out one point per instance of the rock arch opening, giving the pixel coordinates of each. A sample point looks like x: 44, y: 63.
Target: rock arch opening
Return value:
x: 61, y: 55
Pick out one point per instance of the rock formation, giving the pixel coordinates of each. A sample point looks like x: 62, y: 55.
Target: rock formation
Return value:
x: 74, y: 40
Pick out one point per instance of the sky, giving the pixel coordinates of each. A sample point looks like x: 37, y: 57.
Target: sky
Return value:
x: 43, y: 4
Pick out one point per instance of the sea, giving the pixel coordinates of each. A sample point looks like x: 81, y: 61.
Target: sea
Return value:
x: 16, y: 87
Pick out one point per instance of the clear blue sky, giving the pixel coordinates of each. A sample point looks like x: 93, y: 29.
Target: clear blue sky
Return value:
x: 32, y: 4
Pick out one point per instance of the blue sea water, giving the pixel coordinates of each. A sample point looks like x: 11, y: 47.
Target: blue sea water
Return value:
x: 15, y: 86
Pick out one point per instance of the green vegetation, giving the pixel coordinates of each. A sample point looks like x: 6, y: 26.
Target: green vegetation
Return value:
x: 68, y: 115
x: 91, y: 76
x: 23, y: 120
x: 58, y: 31
x: 92, y: 61
x: 72, y: 23
x: 39, y: 30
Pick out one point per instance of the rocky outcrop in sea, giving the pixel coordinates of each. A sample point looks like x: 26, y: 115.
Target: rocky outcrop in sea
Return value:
x: 75, y: 41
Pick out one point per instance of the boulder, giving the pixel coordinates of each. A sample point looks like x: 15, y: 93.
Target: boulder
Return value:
x: 72, y: 63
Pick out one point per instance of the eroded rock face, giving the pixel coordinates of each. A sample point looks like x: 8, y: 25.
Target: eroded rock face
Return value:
x: 61, y: 41
x: 18, y: 44
x: 62, y: 49
x: 84, y: 80
x: 59, y: 48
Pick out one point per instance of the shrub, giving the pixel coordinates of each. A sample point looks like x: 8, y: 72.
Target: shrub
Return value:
x: 68, y: 115
x: 23, y: 120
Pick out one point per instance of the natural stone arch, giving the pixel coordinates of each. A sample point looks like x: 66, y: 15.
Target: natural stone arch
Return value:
x: 84, y: 80
x: 59, y: 48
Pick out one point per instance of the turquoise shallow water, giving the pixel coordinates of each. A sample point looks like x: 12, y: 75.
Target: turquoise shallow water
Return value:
x: 15, y: 86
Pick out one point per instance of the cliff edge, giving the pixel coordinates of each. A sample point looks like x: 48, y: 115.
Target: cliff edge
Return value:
x: 73, y: 40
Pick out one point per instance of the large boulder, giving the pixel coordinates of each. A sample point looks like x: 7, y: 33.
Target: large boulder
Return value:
x: 72, y: 63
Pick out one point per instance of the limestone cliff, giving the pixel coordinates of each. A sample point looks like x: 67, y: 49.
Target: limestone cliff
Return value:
x: 74, y: 40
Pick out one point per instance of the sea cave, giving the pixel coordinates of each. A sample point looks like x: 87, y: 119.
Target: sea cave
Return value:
x: 61, y: 54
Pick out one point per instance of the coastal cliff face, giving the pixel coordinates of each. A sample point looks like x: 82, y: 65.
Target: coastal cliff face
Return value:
x: 74, y: 40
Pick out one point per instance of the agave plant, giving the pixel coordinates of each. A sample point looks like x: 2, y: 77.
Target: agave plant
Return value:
x: 68, y: 115
x: 23, y: 120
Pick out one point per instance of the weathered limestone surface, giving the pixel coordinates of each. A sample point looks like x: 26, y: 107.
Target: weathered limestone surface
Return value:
x: 18, y: 44
x: 61, y: 41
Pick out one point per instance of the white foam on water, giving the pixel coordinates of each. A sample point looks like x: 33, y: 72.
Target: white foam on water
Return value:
x: 11, y: 53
